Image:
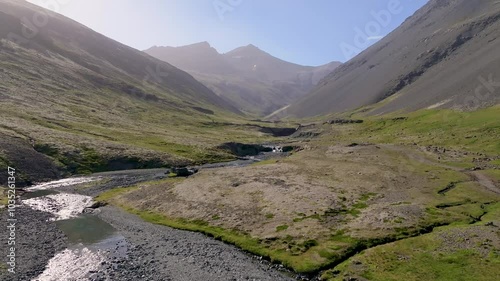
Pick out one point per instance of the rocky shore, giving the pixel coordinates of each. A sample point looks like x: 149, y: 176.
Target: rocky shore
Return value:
x: 146, y: 252
x: 160, y: 253
x: 37, y: 241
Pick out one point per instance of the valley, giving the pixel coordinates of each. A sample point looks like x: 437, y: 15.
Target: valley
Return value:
x: 356, y: 197
x: 248, y: 77
x: 351, y: 196
x: 186, y: 163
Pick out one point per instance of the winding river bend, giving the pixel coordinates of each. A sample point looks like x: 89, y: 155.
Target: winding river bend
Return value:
x: 109, y: 244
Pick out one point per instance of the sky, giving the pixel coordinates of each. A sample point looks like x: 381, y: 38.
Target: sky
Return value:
x: 307, y: 32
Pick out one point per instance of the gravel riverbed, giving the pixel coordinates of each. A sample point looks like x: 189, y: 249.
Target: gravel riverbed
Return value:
x: 37, y: 241
x: 138, y: 250
x: 161, y: 253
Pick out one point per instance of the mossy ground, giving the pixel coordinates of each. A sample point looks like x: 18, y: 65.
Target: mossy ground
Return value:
x: 338, y: 204
x: 476, y: 131
x: 94, y: 129
x: 3, y: 197
x: 428, y: 257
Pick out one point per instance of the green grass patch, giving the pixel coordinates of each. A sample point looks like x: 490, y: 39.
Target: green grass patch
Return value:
x: 343, y: 211
x: 474, y: 211
x: 463, y: 204
x: 399, y: 220
x: 418, y: 258
x: 476, y: 131
x: 4, y: 200
x: 355, y: 209
x: 495, y: 162
x: 341, y: 236
x: 199, y: 155
x: 108, y: 195
x: 4, y: 268
x: 360, y: 205
x: 269, y: 216
x: 281, y: 228
x: 367, y: 196
x: 304, y: 217
x: 3, y: 163
x: 492, y: 213
x: 264, y: 162
x: 493, y: 174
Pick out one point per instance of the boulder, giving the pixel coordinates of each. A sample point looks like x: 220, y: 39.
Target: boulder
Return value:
x: 91, y: 211
x: 96, y: 204
x: 184, y: 172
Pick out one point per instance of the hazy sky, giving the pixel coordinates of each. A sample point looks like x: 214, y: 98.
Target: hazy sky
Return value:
x: 309, y: 32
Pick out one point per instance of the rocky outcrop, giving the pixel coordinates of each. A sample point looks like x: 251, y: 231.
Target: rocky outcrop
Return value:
x: 344, y: 121
x: 183, y: 171
x: 278, y: 132
x: 242, y: 149
x: 31, y: 166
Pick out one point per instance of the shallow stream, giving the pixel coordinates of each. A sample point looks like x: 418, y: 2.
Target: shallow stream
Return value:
x: 92, y: 242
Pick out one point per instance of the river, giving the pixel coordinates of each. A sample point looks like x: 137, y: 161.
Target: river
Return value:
x: 96, y: 248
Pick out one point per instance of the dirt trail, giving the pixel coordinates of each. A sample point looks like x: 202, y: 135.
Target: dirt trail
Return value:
x: 484, y: 181
x: 475, y: 176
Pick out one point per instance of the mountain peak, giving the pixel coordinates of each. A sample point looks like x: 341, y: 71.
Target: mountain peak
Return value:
x: 256, y: 81
x: 203, y: 44
x: 196, y: 46
x: 252, y: 46
x: 248, y: 50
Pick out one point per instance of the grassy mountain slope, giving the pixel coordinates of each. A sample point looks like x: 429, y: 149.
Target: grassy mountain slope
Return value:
x: 438, y: 58
x: 72, y: 97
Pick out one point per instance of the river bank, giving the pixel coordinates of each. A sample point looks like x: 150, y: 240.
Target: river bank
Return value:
x: 160, y: 253
x: 61, y: 243
x: 37, y: 241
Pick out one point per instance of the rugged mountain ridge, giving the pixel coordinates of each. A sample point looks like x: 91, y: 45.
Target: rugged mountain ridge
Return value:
x: 437, y: 58
x: 96, y: 55
x: 250, y: 78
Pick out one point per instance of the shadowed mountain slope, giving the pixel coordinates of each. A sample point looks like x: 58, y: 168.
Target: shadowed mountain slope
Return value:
x: 90, y: 103
x: 94, y: 58
x: 441, y: 57
x: 250, y: 78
